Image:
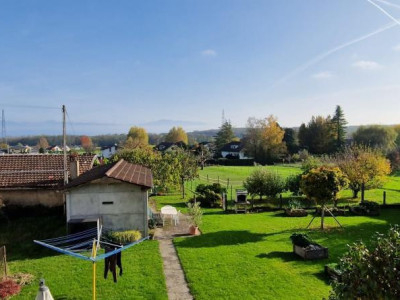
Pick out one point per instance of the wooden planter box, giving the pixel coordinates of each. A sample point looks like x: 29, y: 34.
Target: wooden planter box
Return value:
x: 296, y: 212
x: 310, y: 253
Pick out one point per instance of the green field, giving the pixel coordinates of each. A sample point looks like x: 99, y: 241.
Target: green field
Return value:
x: 71, y: 278
x: 233, y: 178
x: 249, y: 256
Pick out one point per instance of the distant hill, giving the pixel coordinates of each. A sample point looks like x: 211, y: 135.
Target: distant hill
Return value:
x: 154, y: 138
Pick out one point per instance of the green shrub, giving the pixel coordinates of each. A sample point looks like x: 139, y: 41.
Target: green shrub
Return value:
x: 301, y: 240
x: 293, y: 184
x: 210, y: 194
x: 262, y: 182
x: 124, y: 237
x: 371, y: 273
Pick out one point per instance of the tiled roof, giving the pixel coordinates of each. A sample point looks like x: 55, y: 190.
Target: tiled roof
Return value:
x: 121, y: 170
x: 37, y: 171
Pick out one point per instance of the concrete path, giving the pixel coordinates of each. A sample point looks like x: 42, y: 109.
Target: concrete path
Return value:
x: 175, y: 278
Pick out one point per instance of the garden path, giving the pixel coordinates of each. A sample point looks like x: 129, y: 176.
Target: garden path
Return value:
x: 174, y: 276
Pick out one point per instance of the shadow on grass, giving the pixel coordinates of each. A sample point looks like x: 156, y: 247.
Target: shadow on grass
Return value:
x: 18, y: 235
x: 284, y: 256
x: 64, y: 297
x: 222, y: 238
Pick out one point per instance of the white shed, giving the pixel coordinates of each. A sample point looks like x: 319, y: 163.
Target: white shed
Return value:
x: 117, y: 194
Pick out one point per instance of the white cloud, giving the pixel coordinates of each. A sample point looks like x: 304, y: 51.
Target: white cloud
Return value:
x: 322, y: 75
x: 367, y: 65
x: 397, y: 47
x: 209, y: 52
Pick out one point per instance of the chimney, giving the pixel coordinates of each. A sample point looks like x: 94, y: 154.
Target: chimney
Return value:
x: 74, y: 166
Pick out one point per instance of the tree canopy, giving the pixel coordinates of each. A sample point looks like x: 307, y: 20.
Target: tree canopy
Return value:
x: 176, y: 134
x: 317, y: 136
x: 264, y: 140
x: 87, y: 144
x: 43, y: 144
x: 137, y: 137
x: 363, y: 165
x: 224, y: 136
x: 339, y: 128
x: 376, y: 136
x: 322, y: 185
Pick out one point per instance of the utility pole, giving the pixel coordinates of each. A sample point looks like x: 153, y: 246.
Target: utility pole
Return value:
x: 3, y: 130
x: 64, y: 111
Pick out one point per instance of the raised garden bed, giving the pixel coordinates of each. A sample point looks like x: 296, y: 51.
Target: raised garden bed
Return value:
x: 298, y: 212
x: 306, y: 248
x: 367, y: 208
x: 313, y: 251
x: 335, y: 211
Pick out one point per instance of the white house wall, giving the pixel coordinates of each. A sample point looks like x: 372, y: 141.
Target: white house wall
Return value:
x: 128, y: 209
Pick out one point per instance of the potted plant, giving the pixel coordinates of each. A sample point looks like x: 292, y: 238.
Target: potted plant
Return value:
x: 195, y: 215
x: 307, y: 248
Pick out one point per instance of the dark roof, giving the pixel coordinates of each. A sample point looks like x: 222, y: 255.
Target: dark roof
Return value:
x: 163, y: 146
x: 38, y: 170
x: 232, y: 147
x: 121, y: 170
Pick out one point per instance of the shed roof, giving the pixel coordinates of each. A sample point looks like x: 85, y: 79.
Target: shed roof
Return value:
x: 121, y: 170
x: 37, y: 170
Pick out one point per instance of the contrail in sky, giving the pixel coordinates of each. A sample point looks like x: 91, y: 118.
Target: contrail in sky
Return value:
x: 330, y: 52
x: 384, y: 11
x: 388, y: 3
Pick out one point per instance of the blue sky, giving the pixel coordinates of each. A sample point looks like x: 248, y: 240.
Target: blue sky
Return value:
x: 157, y: 64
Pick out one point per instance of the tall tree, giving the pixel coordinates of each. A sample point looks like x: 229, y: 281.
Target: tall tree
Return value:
x: 137, y: 137
x: 290, y: 140
x: 43, y: 144
x: 224, y: 136
x: 363, y: 166
x: 176, y: 134
x: 339, y: 127
x: 317, y: 136
x: 87, y: 144
x: 264, y: 139
x: 376, y: 136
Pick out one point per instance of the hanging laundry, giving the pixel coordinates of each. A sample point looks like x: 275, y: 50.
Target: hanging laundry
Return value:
x: 111, y: 263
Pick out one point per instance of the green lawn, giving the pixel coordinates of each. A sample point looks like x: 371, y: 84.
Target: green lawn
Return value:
x: 237, y: 175
x: 250, y: 256
x: 71, y: 278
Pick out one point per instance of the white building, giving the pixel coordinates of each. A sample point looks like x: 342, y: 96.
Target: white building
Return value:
x: 117, y: 194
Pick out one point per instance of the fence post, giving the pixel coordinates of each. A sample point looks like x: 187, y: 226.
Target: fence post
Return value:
x: 227, y: 182
x: 362, y: 192
x: 384, y: 197
x: 207, y: 177
x: 280, y: 201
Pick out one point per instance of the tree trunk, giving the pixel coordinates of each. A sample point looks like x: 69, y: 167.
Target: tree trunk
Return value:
x: 183, y: 188
x: 322, y: 216
x: 355, y: 193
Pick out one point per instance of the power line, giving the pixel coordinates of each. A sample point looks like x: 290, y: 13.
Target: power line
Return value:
x: 27, y: 106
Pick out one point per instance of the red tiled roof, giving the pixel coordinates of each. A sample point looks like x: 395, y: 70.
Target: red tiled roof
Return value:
x: 121, y: 170
x: 37, y: 171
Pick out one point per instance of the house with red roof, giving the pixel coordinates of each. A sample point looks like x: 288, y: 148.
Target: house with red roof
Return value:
x: 28, y: 180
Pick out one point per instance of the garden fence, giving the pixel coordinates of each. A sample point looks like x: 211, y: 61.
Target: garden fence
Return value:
x: 3, y: 262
